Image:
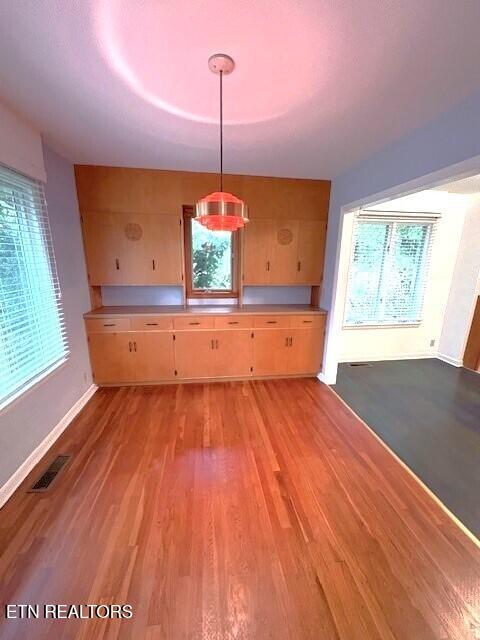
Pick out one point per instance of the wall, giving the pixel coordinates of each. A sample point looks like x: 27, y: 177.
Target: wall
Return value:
x: 30, y: 418
x: 20, y: 145
x: 417, y: 160
x: 383, y: 343
x: 464, y: 289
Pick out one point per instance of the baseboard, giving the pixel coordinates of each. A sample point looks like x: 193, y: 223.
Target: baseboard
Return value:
x: 397, y: 356
x: 454, y: 361
x: 37, y: 454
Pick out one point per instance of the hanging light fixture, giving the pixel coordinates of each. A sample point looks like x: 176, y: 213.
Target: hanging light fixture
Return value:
x: 221, y: 211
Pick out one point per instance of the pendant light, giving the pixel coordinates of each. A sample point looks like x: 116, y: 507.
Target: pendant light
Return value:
x: 221, y: 211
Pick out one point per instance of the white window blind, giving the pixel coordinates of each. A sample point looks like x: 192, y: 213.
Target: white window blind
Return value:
x: 388, y: 270
x: 32, y: 330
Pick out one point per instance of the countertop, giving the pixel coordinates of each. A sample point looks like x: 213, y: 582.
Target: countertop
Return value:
x: 213, y: 310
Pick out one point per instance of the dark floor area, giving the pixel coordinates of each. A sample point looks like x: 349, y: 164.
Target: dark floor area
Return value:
x: 428, y: 413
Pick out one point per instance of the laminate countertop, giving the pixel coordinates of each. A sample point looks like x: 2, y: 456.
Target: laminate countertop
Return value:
x: 213, y: 310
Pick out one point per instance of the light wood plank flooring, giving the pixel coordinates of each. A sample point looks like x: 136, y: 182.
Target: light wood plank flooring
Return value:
x: 256, y: 510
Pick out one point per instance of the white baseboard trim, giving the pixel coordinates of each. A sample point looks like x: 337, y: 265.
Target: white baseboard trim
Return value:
x: 24, y: 469
x: 397, y: 356
x: 454, y: 361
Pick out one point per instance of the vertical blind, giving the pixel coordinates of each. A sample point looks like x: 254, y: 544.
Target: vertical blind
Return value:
x: 32, y: 329
x: 388, y: 271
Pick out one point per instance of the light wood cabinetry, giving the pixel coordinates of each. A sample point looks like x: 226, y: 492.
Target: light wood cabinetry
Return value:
x: 156, y: 348
x: 111, y: 357
x: 124, y: 248
x: 311, y: 251
x: 195, y: 354
x: 288, y: 252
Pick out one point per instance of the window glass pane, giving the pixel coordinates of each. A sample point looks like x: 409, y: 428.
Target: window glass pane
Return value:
x: 404, y: 281
x: 363, y: 296
x: 211, y: 258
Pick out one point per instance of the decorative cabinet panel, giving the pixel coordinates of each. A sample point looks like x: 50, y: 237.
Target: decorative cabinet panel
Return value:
x: 141, y: 249
x: 286, y: 252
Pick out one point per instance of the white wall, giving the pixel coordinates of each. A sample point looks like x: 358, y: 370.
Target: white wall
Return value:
x: 383, y: 343
x: 464, y: 289
x: 20, y: 145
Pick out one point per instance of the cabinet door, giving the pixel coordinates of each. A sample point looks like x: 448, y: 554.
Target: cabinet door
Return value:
x: 195, y: 354
x: 111, y: 356
x: 163, y: 246
x: 285, y: 252
x: 311, y: 251
x: 257, y: 249
x: 105, y: 246
x: 233, y: 353
x: 306, y: 350
x: 153, y: 356
x: 270, y: 351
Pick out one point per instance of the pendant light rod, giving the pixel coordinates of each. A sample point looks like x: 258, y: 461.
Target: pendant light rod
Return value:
x: 221, y: 129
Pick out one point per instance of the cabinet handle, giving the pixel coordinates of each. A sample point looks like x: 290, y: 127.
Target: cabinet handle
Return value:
x: 134, y: 346
x: 194, y: 323
x: 117, y: 264
x: 212, y: 344
x: 130, y: 347
x: 272, y: 321
x: 307, y: 322
x: 153, y: 265
x: 216, y: 344
x: 299, y: 265
x: 152, y: 324
x: 109, y: 324
x: 290, y: 342
x: 268, y: 265
x: 286, y: 342
x: 233, y: 322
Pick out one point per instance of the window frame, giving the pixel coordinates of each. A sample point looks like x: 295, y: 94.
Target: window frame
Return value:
x: 233, y: 293
x: 391, y: 222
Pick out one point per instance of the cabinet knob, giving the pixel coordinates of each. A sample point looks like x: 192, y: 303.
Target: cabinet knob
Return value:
x: 268, y: 265
x: 117, y: 264
x: 299, y: 265
x: 130, y: 347
x: 153, y: 265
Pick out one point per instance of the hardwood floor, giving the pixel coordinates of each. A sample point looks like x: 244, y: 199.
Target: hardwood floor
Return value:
x: 255, y: 510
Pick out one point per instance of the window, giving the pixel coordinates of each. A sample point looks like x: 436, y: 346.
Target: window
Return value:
x: 210, y: 258
x: 388, y: 271
x: 32, y: 331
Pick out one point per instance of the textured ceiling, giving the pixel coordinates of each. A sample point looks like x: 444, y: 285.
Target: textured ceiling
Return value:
x: 319, y: 85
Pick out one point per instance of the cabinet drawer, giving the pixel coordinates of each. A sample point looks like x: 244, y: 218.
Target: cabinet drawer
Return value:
x: 233, y: 322
x: 272, y: 322
x: 154, y: 323
x: 308, y: 321
x: 107, y: 325
x: 194, y: 322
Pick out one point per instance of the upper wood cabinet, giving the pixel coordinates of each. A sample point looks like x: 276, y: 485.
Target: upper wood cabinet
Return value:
x: 283, y: 252
x: 124, y: 248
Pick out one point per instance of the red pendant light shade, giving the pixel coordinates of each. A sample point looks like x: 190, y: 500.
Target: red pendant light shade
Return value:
x: 221, y: 211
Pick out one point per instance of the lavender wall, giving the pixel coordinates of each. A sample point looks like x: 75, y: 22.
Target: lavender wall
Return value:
x: 29, y: 419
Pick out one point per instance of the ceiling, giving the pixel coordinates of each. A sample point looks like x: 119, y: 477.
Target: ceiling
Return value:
x: 466, y: 186
x: 318, y: 86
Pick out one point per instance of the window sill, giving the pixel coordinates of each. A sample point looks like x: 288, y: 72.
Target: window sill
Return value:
x: 32, y: 385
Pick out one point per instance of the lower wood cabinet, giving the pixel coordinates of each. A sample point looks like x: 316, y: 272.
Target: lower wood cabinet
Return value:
x: 287, y: 351
x: 168, y: 350
x: 213, y: 354
x: 131, y: 357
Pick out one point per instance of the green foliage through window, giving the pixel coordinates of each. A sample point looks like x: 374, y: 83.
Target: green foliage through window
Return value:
x: 211, y: 259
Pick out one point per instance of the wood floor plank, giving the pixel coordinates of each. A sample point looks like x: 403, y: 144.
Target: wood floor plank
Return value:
x: 247, y: 510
